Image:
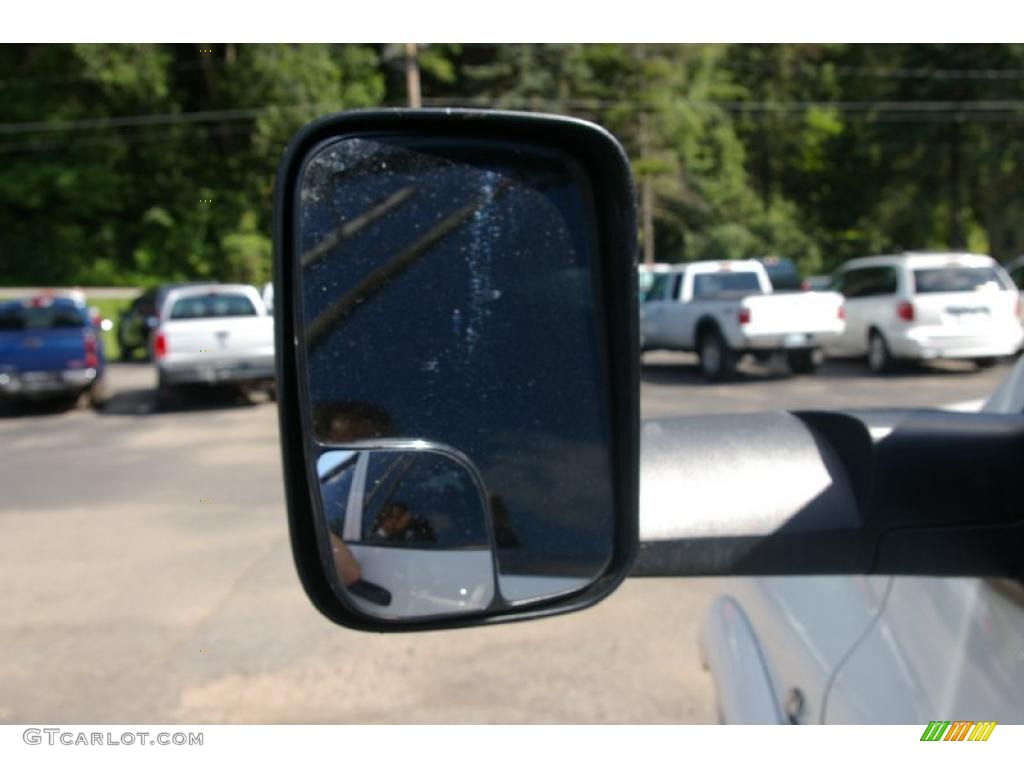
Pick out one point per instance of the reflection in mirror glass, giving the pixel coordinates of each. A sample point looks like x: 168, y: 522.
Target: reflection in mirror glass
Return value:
x: 407, y: 531
x: 447, y: 295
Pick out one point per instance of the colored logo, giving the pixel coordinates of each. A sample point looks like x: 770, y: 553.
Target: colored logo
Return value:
x: 958, y: 730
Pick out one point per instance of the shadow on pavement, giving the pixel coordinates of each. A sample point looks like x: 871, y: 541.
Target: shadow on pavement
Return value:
x: 145, y: 402
x: 684, y: 369
x: 30, y: 408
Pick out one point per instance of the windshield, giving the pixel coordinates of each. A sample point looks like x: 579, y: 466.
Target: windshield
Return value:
x: 957, y: 280
x: 212, y: 305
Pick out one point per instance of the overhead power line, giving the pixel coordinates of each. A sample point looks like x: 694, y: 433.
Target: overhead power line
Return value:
x: 171, y: 118
x: 879, y: 72
x: 1008, y: 110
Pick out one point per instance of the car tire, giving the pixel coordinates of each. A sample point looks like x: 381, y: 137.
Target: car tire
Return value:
x: 986, y: 362
x: 167, y: 395
x: 717, y: 360
x: 880, y: 359
x: 802, y: 361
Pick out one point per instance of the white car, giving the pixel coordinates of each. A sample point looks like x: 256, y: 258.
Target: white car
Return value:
x: 876, y: 649
x: 922, y: 306
x: 214, y: 334
x: 268, y: 297
x: 725, y: 309
x: 1016, y: 271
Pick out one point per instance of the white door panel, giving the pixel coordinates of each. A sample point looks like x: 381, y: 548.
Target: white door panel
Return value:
x: 425, y: 582
x: 944, y: 649
x: 806, y: 626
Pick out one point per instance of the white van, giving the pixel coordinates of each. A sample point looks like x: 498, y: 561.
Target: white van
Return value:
x: 924, y: 306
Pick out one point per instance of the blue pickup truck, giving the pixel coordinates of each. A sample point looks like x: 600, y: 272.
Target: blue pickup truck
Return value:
x: 50, y: 348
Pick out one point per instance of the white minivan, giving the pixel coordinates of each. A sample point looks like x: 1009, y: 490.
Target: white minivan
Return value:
x: 925, y: 306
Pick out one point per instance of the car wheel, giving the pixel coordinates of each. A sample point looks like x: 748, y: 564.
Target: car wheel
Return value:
x: 802, y: 361
x: 986, y: 362
x: 717, y: 361
x: 879, y: 357
x: 167, y: 395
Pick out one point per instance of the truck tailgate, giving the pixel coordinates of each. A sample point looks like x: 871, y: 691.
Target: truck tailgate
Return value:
x: 799, y: 313
x: 41, y: 350
x: 215, y: 340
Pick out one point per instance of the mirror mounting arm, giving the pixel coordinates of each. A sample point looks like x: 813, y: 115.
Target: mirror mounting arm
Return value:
x: 887, y: 492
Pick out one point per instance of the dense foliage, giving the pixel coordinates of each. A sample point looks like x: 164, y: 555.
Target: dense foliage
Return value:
x: 127, y: 164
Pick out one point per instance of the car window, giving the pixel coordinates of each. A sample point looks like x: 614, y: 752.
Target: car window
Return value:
x: 866, y: 282
x: 421, y: 499
x: 677, y: 286
x: 18, y: 317
x: 713, y: 284
x: 334, y: 488
x: 1017, y: 275
x: 957, y: 280
x: 658, y: 287
x: 148, y: 302
x: 212, y: 305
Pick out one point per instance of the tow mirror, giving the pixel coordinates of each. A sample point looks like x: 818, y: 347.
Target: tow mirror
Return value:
x: 457, y: 365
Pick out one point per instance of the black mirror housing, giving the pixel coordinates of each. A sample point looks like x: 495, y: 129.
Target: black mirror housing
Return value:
x: 598, y: 169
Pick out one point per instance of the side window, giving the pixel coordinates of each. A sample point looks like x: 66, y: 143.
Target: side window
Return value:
x: 838, y: 282
x: 855, y: 283
x: 888, y: 281
x: 1018, y: 277
x: 422, y: 499
x: 658, y: 288
x: 677, y: 287
x: 866, y: 282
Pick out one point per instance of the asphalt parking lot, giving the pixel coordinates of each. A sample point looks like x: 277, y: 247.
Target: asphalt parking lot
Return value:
x: 147, y: 577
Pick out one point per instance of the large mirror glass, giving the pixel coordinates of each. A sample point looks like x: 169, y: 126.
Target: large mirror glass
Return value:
x: 447, y: 295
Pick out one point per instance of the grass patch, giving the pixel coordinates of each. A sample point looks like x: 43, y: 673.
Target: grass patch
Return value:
x: 110, y: 309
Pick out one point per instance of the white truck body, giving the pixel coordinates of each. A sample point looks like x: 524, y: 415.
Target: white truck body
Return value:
x: 214, y: 334
x: 735, y: 299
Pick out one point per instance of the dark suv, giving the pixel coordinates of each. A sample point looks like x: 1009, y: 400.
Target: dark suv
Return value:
x: 138, y: 321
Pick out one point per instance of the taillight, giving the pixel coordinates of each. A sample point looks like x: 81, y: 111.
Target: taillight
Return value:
x: 905, y: 311
x: 841, y: 312
x: 91, y: 359
x: 160, y: 345
x: 744, y: 315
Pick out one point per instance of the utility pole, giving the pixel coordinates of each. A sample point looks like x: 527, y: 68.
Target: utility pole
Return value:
x: 412, y: 75
x: 646, y: 196
x: 957, y: 236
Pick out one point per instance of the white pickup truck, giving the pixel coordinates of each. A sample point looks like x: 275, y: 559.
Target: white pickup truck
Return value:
x: 725, y: 309
x: 214, y: 334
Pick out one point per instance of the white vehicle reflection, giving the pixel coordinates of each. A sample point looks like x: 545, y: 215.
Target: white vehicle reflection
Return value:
x: 408, y: 532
